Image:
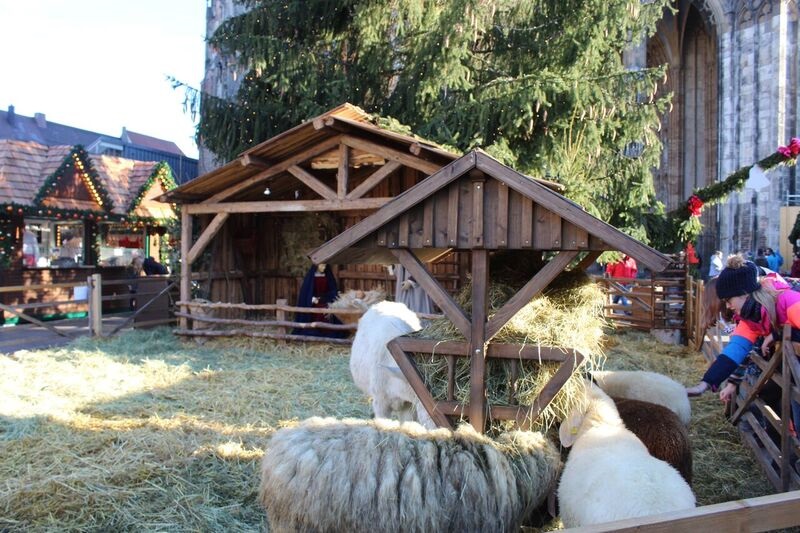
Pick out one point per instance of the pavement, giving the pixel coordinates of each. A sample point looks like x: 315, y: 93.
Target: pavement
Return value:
x: 33, y: 337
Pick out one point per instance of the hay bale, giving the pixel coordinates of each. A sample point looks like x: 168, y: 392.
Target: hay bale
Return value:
x: 380, y: 475
x: 568, y: 315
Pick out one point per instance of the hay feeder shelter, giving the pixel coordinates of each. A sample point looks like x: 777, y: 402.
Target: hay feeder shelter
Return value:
x: 478, y: 205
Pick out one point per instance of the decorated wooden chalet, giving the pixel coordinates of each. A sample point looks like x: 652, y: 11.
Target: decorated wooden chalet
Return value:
x: 249, y: 225
x: 478, y: 206
x: 66, y: 214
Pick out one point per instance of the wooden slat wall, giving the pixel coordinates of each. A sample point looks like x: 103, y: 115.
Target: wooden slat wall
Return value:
x: 508, y: 220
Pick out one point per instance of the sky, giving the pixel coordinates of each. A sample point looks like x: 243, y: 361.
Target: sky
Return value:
x: 102, y: 65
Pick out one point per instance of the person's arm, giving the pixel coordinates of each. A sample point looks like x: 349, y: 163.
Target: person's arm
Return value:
x: 742, y: 340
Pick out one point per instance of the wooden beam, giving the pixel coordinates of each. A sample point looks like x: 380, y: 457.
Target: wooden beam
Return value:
x: 206, y: 237
x: 9, y: 309
x: 440, y: 296
x: 248, y: 160
x: 275, y: 169
x: 312, y: 182
x: 289, y: 206
x: 374, y: 179
x: 765, y: 376
x: 477, y: 340
x: 550, y: 389
x: 476, y: 228
x: 536, y: 284
x: 588, y: 260
x: 391, y: 154
x: 343, y: 175
x: 186, y: 266
x: 787, y: 464
x: 415, y: 380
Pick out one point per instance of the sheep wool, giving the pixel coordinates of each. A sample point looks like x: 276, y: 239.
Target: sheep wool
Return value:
x: 609, y: 474
x: 648, y: 387
x: 375, y: 371
x: 330, y: 475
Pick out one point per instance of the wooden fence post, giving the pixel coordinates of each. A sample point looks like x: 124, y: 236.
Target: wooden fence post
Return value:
x: 280, y: 315
x: 95, y: 283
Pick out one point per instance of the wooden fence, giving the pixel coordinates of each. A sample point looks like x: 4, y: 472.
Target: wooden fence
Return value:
x: 199, y: 317
x: 147, y: 301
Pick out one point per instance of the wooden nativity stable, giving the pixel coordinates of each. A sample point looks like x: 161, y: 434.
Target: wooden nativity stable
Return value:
x: 478, y: 206
x: 249, y: 225
x: 66, y: 214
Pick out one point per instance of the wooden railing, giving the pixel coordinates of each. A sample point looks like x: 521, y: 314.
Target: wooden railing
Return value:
x: 93, y: 304
x: 275, y: 325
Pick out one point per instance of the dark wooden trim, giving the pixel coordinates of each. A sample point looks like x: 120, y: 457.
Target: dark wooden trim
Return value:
x: 477, y: 239
x: 312, y: 182
x: 501, y: 230
x: 275, y: 169
x: 373, y: 180
x: 415, y: 380
x: 206, y: 236
x: 536, y: 284
x: 588, y: 260
x: 429, y: 284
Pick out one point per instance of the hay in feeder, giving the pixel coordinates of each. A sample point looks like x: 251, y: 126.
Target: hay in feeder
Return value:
x: 567, y: 315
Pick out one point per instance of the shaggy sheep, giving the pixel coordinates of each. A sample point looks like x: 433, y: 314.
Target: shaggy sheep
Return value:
x: 609, y: 475
x: 374, y: 369
x: 329, y: 475
x: 647, y: 387
x: 661, y: 431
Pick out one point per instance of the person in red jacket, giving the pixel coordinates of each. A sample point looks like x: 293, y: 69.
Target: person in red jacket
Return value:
x: 626, y: 269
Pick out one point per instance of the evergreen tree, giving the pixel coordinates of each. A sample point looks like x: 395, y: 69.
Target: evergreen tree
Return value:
x: 538, y: 84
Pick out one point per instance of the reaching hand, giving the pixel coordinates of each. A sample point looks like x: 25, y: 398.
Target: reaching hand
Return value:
x: 697, y: 390
x: 727, y: 392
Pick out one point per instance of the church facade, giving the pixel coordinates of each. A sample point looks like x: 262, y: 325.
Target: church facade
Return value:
x: 733, y: 73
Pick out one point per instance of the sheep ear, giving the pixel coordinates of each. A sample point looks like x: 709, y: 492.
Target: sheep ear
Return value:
x: 568, y: 431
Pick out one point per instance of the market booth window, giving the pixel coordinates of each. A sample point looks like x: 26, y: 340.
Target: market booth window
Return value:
x: 119, y: 244
x: 48, y: 243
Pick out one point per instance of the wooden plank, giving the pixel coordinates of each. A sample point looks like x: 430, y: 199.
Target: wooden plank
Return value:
x: 9, y: 309
x: 257, y: 334
x: 312, y: 182
x: 427, y: 222
x: 288, y: 206
x: 343, y: 175
x: 186, y: 269
x: 477, y: 340
x: 550, y: 389
x: 452, y: 215
x: 588, y: 260
x: 274, y: 170
x: 536, y: 284
x: 501, y: 223
x: 415, y: 380
x: 572, y: 212
x: 527, y: 222
x: 762, y: 380
x: 373, y: 180
x: 141, y: 308
x: 248, y: 160
x: 402, y: 231
x: 569, y: 236
x: 400, y: 204
x: 440, y: 296
x: 495, y: 350
x: 390, y: 154
x: 476, y: 232
x: 765, y: 513
x: 206, y: 237
x: 786, y: 464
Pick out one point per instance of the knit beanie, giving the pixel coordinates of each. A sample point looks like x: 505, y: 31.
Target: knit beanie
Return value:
x: 737, y: 281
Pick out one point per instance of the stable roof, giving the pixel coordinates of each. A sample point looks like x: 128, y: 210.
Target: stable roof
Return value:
x: 476, y: 202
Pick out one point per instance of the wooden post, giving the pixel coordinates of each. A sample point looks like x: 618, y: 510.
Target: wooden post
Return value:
x: 186, y: 265
x: 280, y: 315
x: 786, y: 408
x: 95, y: 284
x: 477, y: 345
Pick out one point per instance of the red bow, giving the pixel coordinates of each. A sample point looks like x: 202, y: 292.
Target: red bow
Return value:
x: 791, y: 150
x: 695, y: 204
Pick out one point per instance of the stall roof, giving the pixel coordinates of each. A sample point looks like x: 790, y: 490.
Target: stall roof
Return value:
x: 26, y: 166
x: 342, y: 120
x: 478, y: 203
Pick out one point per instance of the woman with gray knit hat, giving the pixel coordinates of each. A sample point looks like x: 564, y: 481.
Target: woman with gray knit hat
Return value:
x: 761, y: 309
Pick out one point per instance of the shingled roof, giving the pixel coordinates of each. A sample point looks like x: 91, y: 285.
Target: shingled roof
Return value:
x: 26, y: 167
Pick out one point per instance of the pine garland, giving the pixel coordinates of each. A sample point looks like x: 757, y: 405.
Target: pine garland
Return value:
x: 162, y: 172
x: 76, y: 156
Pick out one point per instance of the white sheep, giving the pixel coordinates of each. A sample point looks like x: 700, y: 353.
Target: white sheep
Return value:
x: 331, y: 475
x: 647, y: 387
x: 374, y: 369
x: 609, y: 475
